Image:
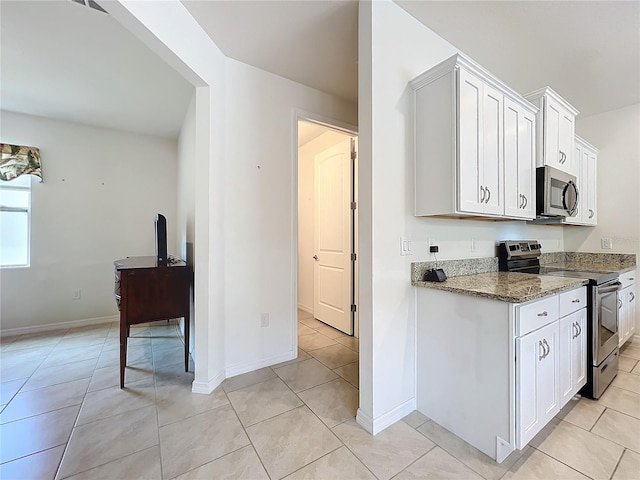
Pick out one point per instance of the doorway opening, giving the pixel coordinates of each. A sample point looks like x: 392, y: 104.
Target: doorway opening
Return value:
x: 327, y: 238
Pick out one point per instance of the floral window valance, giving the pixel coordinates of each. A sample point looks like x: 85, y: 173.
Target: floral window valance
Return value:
x: 18, y: 160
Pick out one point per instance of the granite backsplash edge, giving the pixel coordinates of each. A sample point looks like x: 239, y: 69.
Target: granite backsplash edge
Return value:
x: 473, y: 266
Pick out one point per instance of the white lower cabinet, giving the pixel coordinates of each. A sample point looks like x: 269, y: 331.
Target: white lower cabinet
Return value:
x: 495, y: 373
x: 627, y: 307
x: 537, y: 371
x: 573, y: 354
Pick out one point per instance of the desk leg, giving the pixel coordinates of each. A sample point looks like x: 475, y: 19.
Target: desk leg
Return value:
x: 187, y: 327
x: 124, y: 333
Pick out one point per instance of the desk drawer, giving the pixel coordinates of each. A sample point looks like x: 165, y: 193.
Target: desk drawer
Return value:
x: 532, y: 316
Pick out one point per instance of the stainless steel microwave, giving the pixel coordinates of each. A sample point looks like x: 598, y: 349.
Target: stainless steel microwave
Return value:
x: 556, y: 193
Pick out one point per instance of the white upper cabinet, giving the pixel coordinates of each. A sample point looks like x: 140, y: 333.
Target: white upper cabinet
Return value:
x: 468, y: 160
x: 480, y: 172
x: 556, y: 129
x: 519, y: 148
x: 587, y: 170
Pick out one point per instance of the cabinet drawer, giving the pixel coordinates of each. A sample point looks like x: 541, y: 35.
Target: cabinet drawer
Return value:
x: 572, y: 301
x: 627, y: 278
x: 532, y: 316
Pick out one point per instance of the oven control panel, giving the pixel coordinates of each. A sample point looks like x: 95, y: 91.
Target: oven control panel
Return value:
x: 519, y: 249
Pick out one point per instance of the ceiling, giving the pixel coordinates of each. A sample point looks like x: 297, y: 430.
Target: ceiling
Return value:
x: 63, y: 60
x: 77, y: 64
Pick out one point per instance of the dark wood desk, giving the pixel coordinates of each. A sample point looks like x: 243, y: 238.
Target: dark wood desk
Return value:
x: 146, y: 292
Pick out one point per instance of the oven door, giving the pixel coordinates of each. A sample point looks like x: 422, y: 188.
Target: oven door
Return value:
x: 558, y: 194
x: 605, y: 319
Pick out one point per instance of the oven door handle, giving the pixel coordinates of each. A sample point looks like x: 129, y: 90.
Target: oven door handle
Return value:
x: 612, y: 287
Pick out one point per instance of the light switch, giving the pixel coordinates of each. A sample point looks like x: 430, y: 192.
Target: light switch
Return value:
x: 405, y: 246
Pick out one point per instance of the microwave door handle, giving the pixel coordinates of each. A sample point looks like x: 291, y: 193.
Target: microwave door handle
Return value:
x: 572, y: 208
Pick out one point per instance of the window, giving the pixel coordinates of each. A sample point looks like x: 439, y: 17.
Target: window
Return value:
x: 15, y: 216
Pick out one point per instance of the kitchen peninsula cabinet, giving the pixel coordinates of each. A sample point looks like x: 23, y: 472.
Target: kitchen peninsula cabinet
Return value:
x: 493, y: 372
x: 469, y: 162
x: 555, y: 120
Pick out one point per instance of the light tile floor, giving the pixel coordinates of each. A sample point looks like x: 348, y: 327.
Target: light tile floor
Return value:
x: 63, y: 415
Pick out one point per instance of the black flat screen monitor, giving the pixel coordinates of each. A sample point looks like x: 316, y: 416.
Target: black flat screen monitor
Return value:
x: 161, y: 239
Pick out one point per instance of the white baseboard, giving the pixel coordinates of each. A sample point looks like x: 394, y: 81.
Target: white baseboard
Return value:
x: 209, y: 386
x: 304, y: 308
x: 378, y: 424
x: 241, y: 368
x: 10, y: 332
x: 238, y: 369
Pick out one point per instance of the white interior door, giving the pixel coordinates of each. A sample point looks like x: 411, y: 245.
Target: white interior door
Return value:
x: 333, y: 267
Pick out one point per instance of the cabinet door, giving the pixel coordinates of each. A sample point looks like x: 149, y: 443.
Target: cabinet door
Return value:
x: 470, y: 196
x: 579, y: 352
x: 624, y: 319
x: 572, y: 372
x: 565, y: 142
x: 590, y: 188
x: 552, y: 115
x: 480, y: 155
x: 578, y: 219
x: 537, y: 393
x: 631, y: 309
x: 492, y: 165
x: 519, y: 161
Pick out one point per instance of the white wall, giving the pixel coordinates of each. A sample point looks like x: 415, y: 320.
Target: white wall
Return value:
x: 615, y: 135
x: 186, y: 198
x: 186, y: 184
x: 401, y: 49
x: 260, y: 211
x: 101, y: 191
x: 306, y: 205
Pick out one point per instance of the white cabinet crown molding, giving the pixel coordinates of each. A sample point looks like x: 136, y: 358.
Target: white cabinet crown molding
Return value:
x: 584, y: 143
x: 459, y: 60
x: 549, y: 92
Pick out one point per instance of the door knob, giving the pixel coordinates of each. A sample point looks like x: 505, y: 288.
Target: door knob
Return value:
x: 315, y: 257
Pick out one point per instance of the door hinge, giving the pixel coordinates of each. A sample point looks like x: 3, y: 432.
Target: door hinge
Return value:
x: 353, y: 154
x: 353, y: 308
x: 354, y: 205
x: 354, y: 257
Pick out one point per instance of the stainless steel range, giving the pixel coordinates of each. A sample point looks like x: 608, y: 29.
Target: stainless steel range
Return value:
x: 602, y: 309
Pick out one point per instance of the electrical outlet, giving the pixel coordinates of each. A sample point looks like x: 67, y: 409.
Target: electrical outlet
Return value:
x: 77, y: 294
x: 606, y: 244
x: 264, y: 320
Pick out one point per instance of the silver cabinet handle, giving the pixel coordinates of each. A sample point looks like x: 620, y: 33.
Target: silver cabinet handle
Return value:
x: 483, y: 194
x: 577, y: 300
x: 575, y: 330
x: 591, y: 213
x: 526, y: 201
x: 488, y: 195
x: 520, y: 205
x: 619, y: 303
x: 631, y: 279
x: 633, y: 297
x: 315, y: 257
x: 563, y: 157
x: 579, y: 328
x: 543, y: 314
x: 542, y: 355
x: 544, y: 340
